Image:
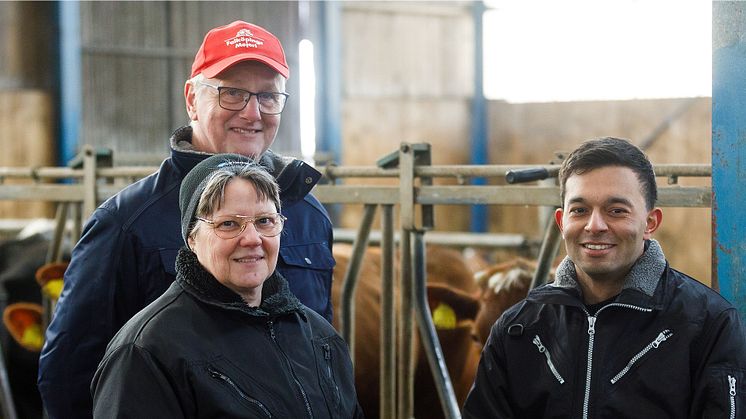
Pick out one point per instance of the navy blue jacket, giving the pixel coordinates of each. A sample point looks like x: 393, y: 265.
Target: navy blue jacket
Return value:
x: 666, y: 347
x: 126, y: 257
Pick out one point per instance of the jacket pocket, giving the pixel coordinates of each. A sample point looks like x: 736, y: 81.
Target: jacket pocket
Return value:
x: 257, y: 406
x: 548, y: 356
x: 308, y: 256
x: 662, y: 337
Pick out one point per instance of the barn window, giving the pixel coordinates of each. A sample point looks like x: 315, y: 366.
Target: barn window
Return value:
x: 547, y: 51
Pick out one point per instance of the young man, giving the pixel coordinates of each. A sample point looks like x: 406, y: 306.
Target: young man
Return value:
x: 125, y: 258
x: 619, y: 334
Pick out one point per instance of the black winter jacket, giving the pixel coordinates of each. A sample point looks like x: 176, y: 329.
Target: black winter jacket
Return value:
x: 125, y: 260
x: 199, y: 351
x: 666, y: 347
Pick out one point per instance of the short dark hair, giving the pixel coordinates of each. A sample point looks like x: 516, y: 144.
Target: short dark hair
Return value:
x: 610, y: 151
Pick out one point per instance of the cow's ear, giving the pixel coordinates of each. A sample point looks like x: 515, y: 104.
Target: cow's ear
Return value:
x: 465, y: 305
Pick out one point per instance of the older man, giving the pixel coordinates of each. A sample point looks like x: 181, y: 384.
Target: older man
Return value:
x: 125, y: 258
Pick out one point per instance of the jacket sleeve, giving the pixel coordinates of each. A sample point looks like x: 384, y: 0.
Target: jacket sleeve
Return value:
x: 130, y: 383
x: 87, y: 315
x: 720, y: 390
x: 488, y: 396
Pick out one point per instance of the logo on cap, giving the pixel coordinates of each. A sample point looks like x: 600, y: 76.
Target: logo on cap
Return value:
x: 244, y: 39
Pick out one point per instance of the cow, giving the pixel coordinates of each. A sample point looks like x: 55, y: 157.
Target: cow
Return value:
x: 464, y: 305
x: 451, y: 290
x: 20, y: 259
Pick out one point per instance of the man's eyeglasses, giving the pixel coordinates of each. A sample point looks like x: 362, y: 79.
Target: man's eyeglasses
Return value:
x: 235, y: 99
x: 231, y: 226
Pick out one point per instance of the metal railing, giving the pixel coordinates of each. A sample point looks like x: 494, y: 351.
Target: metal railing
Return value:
x: 413, y: 191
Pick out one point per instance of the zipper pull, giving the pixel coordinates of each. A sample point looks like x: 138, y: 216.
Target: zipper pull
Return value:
x: 538, y: 344
x: 732, y: 383
x: 327, y: 352
x: 591, y: 325
x: 661, y: 337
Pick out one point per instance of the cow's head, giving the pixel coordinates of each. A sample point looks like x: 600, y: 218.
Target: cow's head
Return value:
x: 502, y: 286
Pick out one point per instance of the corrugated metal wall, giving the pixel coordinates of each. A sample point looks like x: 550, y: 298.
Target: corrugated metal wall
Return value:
x: 136, y: 57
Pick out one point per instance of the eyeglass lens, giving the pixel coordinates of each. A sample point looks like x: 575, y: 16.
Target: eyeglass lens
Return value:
x: 236, y: 99
x: 230, y: 226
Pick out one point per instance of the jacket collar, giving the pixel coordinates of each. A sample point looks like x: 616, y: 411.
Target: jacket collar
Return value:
x: 644, y: 276
x: 295, y: 177
x: 192, y: 276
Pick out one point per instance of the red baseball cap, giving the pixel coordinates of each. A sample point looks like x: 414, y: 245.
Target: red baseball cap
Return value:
x: 238, y: 41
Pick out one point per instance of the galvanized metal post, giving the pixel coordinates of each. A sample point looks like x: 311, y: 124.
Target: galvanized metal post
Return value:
x: 729, y: 151
x: 429, y: 337
x: 387, y: 384
x: 351, y: 277
x: 90, y: 193
x: 405, y: 405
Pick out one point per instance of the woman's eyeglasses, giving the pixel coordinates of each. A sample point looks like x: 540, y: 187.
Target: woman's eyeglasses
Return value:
x: 231, y: 226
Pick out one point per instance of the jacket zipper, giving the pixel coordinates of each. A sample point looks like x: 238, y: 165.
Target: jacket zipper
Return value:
x: 591, y: 338
x: 662, y: 336
x: 270, y: 326
x: 732, y: 392
x: 328, y: 358
x: 543, y: 350
x: 227, y: 380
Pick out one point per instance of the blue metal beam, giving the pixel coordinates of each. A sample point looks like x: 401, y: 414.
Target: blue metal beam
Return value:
x: 729, y: 151
x: 70, y: 80
x: 329, y: 81
x: 479, y: 149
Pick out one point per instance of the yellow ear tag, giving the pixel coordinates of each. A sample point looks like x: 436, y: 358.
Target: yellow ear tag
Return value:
x: 32, y: 337
x: 444, y: 317
x: 53, y: 288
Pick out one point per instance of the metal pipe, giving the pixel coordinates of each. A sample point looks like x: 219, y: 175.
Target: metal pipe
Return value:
x: 549, y: 248
x: 406, y: 220
x: 428, y: 335
x: 334, y: 172
x: 446, y: 238
x: 347, y: 309
x: 70, y: 74
x: 405, y: 367
x: 6, y: 397
x: 387, y: 384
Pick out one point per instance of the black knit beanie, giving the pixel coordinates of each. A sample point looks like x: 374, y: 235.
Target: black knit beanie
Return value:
x: 194, y: 183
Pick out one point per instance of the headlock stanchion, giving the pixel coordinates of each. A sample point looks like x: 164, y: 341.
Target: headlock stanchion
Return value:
x: 410, y: 162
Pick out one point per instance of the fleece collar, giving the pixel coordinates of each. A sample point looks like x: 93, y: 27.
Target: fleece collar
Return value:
x: 643, y: 277
x: 276, y: 296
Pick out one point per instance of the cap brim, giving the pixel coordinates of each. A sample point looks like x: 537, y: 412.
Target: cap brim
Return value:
x: 222, y: 65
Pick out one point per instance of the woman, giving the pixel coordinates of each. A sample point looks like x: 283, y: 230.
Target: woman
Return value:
x: 228, y: 338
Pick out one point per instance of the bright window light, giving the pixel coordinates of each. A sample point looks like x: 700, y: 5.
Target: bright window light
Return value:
x: 307, y: 100
x: 577, y: 50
